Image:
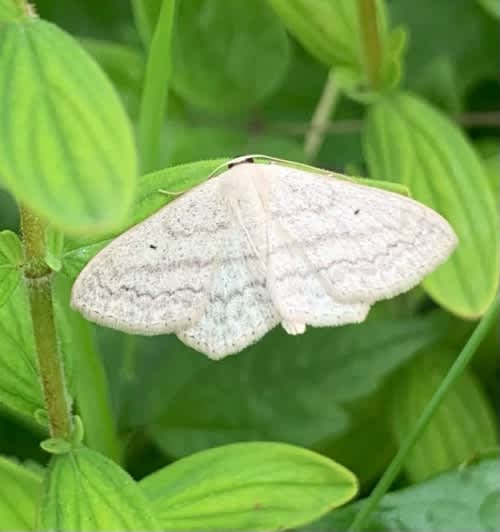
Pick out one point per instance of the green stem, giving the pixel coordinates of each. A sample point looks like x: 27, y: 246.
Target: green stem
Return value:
x: 38, y: 280
x: 142, y: 21
x: 92, y: 397
x: 370, y: 37
x: 155, y: 88
x: 321, y: 118
x: 453, y: 374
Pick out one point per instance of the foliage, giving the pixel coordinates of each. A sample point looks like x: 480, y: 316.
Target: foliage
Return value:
x: 462, y: 499
x: 403, y: 91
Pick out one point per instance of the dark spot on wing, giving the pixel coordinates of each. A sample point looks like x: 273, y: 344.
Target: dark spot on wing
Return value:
x: 152, y: 246
x: 356, y: 211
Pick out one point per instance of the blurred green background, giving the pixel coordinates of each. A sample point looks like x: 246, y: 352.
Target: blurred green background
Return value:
x: 243, y: 84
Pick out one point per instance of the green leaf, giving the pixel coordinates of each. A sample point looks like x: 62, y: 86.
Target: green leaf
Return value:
x: 408, y: 141
x: 248, y: 486
x: 466, y: 23
x: 462, y: 500
x: 283, y: 377
x: 328, y: 30
x: 491, y: 6
x: 368, y: 422
x: 124, y: 65
x: 54, y: 245
x: 228, y: 56
x: 385, y: 185
x: 19, y: 381
x: 155, y: 190
x: 84, y: 490
x: 76, y: 163
x: 187, y: 143
x: 331, y: 32
x: 11, y: 257
x: 77, y: 255
x: 11, y: 250
x: 463, y: 426
x: 56, y: 446
x: 91, y: 393
x: 21, y: 494
x: 11, y: 11
x: 489, y: 151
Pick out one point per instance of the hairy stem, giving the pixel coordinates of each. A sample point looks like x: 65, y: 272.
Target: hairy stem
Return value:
x: 453, y: 374
x: 38, y: 281
x: 370, y: 37
x: 321, y: 118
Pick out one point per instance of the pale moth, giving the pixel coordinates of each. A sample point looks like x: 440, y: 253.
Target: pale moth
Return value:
x: 262, y: 242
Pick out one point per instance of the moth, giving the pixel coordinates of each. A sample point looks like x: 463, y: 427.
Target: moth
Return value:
x: 262, y: 242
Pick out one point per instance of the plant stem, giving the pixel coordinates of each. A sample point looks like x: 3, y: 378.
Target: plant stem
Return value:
x: 142, y: 21
x: 92, y: 398
x: 155, y: 88
x: 432, y: 406
x: 321, y: 118
x: 370, y: 37
x: 38, y: 281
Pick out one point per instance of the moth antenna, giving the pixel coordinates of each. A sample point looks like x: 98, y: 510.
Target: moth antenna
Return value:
x: 170, y: 193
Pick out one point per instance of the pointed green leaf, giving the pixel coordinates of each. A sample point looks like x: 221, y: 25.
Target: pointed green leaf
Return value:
x: 462, y: 500
x: 21, y: 492
x: 54, y: 245
x: 228, y: 56
x: 408, y: 141
x: 462, y: 427
x: 11, y: 257
x: 75, y: 164
x: 248, y: 486
x: 83, y: 490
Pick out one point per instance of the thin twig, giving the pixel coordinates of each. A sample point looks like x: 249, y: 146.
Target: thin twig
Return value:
x: 321, y: 118
x: 486, y: 119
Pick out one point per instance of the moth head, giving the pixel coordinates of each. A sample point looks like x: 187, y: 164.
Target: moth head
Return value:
x: 241, y: 160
